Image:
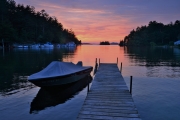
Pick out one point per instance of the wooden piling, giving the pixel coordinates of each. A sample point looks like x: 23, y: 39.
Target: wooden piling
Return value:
x: 130, y: 84
x: 121, y: 67
x: 88, y: 88
x: 96, y: 66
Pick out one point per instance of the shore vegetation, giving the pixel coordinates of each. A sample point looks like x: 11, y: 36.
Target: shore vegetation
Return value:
x: 155, y: 33
x: 22, y: 24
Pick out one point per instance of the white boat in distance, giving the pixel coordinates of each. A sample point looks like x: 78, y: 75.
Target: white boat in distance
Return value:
x: 48, y: 45
x: 58, y: 73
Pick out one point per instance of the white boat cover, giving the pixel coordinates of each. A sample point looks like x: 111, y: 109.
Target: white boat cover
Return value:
x: 57, y: 68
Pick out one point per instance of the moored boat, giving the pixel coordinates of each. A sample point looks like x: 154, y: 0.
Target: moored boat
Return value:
x: 52, y: 96
x: 59, y: 73
x: 48, y: 45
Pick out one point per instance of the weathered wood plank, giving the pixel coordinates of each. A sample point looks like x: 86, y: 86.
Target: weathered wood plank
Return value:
x: 110, y: 102
x: 107, y: 104
x: 102, y: 117
x: 115, y: 114
x: 109, y: 97
x: 111, y: 110
x: 110, y: 107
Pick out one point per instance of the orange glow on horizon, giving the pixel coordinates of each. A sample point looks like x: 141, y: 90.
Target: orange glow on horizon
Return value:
x: 107, y: 54
x: 99, y: 31
x: 96, y: 31
x: 90, y: 26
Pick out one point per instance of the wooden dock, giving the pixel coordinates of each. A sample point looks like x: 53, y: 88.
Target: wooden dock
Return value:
x: 109, y: 97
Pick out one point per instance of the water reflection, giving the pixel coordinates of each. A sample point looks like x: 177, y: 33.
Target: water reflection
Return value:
x: 52, y: 96
x: 17, y: 64
x: 154, y: 56
x: 160, y: 93
x: 18, y: 82
x: 159, y: 61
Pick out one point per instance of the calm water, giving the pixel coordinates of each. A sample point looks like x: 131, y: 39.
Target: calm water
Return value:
x: 155, y: 71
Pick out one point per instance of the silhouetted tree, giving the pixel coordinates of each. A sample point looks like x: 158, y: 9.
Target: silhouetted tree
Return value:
x: 19, y: 23
x: 121, y: 43
x: 154, y: 33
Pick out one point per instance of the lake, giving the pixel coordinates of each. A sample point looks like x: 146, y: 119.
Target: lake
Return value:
x: 155, y: 71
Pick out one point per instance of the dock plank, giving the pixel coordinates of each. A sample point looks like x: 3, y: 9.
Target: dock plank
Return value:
x: 109, y: 97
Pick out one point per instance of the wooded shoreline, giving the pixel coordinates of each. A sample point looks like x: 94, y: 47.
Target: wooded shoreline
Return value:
x: 22, y: 24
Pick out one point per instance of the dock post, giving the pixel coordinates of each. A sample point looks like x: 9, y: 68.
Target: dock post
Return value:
x: 99, y: 61
x: 121, y: 67
x: 117, y: 60
x: 131, y: 85
x: 88, y: 88
x: 96, y: 66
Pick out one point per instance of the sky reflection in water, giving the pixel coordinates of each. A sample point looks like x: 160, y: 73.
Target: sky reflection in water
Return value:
x: 155, y: 74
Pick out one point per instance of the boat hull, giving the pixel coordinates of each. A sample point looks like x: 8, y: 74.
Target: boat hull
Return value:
x: 55, y: 81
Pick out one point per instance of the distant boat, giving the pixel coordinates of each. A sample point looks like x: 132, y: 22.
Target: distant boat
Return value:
x: 48, y: 45
x: 41, y: 45
x: 58, y: 73
x: 70, y: 44
x: 35, y: 46
x: 25, y: 46
x: 20, y: 46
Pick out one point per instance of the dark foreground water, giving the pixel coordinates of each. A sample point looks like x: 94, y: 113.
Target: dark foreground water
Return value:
x: 155, y: 71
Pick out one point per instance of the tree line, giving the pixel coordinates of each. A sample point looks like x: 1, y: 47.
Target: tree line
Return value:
x: 153, y: 34
x: 22, y: 24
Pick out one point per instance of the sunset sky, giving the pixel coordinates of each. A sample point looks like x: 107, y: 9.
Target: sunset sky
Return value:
x: 107, y: 20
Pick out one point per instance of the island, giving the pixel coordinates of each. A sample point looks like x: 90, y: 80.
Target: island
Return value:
x: 104, y: 43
